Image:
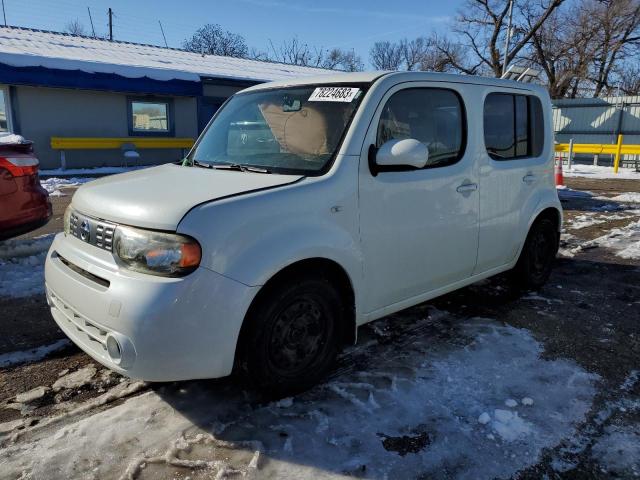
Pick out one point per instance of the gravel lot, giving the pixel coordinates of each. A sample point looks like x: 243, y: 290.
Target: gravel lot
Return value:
x: 408, y: 402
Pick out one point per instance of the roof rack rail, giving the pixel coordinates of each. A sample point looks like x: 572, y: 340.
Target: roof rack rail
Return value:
x: 520, y: 74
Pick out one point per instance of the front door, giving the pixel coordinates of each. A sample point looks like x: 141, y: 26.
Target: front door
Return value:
x: 419, y: 227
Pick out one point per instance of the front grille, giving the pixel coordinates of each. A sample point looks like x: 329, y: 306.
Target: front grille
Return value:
x: 93, y: 231
x: 104, y: 236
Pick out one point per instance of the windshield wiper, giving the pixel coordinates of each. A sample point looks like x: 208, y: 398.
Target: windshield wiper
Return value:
x: 195, y: 163
x: 239, y: 167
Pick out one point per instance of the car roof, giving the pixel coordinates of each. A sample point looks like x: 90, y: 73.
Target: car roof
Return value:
x: 370, y: 77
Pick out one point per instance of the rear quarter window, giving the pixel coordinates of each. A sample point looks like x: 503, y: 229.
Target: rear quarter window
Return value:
x: 513, y: 126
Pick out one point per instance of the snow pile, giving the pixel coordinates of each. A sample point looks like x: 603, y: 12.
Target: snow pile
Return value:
x: 592, y: 171
x: 583, y: 221
x: 33, y: 355
x: 414, y: 412
x: 11, y: 139
x: 629, y: 197
x: 625, y: 241
x: 54, y: 184
x: 22, y: 266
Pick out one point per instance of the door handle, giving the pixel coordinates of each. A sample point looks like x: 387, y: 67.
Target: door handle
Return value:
x: 467, y: 187
x: 529, y: 178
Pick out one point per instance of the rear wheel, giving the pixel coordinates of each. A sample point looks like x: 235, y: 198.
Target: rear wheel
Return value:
x: 292, y: 338
x: 538, y: 254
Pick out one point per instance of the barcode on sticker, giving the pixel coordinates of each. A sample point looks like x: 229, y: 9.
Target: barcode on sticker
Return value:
x: 333, y: 94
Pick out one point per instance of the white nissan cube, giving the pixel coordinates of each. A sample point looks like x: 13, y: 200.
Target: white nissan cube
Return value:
x: 306, y: 208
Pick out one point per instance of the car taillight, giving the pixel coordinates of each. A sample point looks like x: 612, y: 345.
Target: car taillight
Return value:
x: 20, y: 166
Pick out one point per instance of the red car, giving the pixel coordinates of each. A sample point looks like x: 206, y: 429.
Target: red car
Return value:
x: 24, y: 204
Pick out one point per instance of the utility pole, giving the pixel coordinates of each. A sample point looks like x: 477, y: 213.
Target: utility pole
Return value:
x: 90, y: 21
x: 165, y: 38
x: 4, y: 14
x: 508, y: 39
x: 110, y: 24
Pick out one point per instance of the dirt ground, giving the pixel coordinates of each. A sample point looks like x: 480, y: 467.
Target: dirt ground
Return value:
x: 588, y: 312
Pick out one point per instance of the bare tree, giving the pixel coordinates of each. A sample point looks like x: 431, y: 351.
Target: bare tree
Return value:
x: 386, y: 56
x: 563, y: 48
x: 339, y: 59
x: 213, y: 40
x: 616, y: 27
x: 296, y: 52
x: 630, y: 80
x: 414, y: 52
x: 75, y: 27
x: 481, y: 26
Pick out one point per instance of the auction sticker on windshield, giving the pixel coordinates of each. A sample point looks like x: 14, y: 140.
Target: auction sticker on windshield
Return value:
x: 334, y: 94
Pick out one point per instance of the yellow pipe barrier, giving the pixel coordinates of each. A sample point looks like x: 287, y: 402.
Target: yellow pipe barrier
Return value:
x: 616, y: 161
x: 90, y: 143
x: 616, y: 149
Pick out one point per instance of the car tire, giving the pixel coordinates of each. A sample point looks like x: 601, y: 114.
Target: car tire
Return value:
x: 293, y: 335
x: 538, y: 255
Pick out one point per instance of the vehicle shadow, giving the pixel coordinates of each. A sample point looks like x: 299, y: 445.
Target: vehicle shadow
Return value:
x: 407, y: 398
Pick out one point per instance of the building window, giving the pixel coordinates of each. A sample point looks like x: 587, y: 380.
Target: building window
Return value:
x: 513, y: 126
x: 433, y: 116
x: 150, y: 116
x: 5, y: 110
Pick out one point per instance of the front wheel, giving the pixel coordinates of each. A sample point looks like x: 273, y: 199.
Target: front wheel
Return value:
x: 538, y: 254
x: 292, y: 339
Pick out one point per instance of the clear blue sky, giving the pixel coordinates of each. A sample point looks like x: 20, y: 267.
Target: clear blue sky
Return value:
x: 329, y: 23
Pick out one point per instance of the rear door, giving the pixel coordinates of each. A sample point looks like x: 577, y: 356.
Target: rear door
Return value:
x: 512, y: 165
x: 419, y: 227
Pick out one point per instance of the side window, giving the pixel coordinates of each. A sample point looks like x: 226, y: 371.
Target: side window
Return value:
x: 434, y: 116
x: 513, y: 126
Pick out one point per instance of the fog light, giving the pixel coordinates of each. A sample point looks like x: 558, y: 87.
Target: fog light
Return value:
x: 113, y: 347
x: 120, y: 350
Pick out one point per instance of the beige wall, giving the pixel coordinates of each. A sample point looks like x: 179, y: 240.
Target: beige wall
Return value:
x: 43, y: 113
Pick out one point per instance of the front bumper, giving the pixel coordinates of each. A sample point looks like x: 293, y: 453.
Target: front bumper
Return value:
x: 167, y: 328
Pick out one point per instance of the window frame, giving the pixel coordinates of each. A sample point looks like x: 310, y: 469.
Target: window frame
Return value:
x: 170, y: 132
x: 6, y: 91
x: 529, y: 112
x: 374, y: 168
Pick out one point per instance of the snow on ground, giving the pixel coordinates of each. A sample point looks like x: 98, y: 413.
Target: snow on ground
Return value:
x: 429, y: 408
x: 53, y: 184
x: 33, y: 355
x: 22, y: 265
x: 618, y: 450
x: 591, y: 171
x: 617, y: 445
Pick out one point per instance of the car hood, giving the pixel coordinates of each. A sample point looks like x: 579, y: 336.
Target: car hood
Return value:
x: 159, y: 197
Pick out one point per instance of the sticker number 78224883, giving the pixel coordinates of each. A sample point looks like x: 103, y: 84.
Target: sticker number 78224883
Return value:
x: 334, y: 94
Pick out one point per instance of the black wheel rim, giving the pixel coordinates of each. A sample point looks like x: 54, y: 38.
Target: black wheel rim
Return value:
x: 298, y: 337
x: 541, y: 253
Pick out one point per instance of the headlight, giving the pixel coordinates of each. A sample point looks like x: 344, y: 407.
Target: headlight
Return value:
x: 157, y: 253
x: 67, y: 220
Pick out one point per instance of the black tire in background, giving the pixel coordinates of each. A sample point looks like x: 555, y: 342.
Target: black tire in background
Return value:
x: 292, y: 335
x: 538, y: 255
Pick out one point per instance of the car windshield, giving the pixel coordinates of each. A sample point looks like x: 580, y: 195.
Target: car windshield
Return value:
x: 285, y: 130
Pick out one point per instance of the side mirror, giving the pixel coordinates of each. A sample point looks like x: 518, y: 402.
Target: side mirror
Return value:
x: 406, y: 152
